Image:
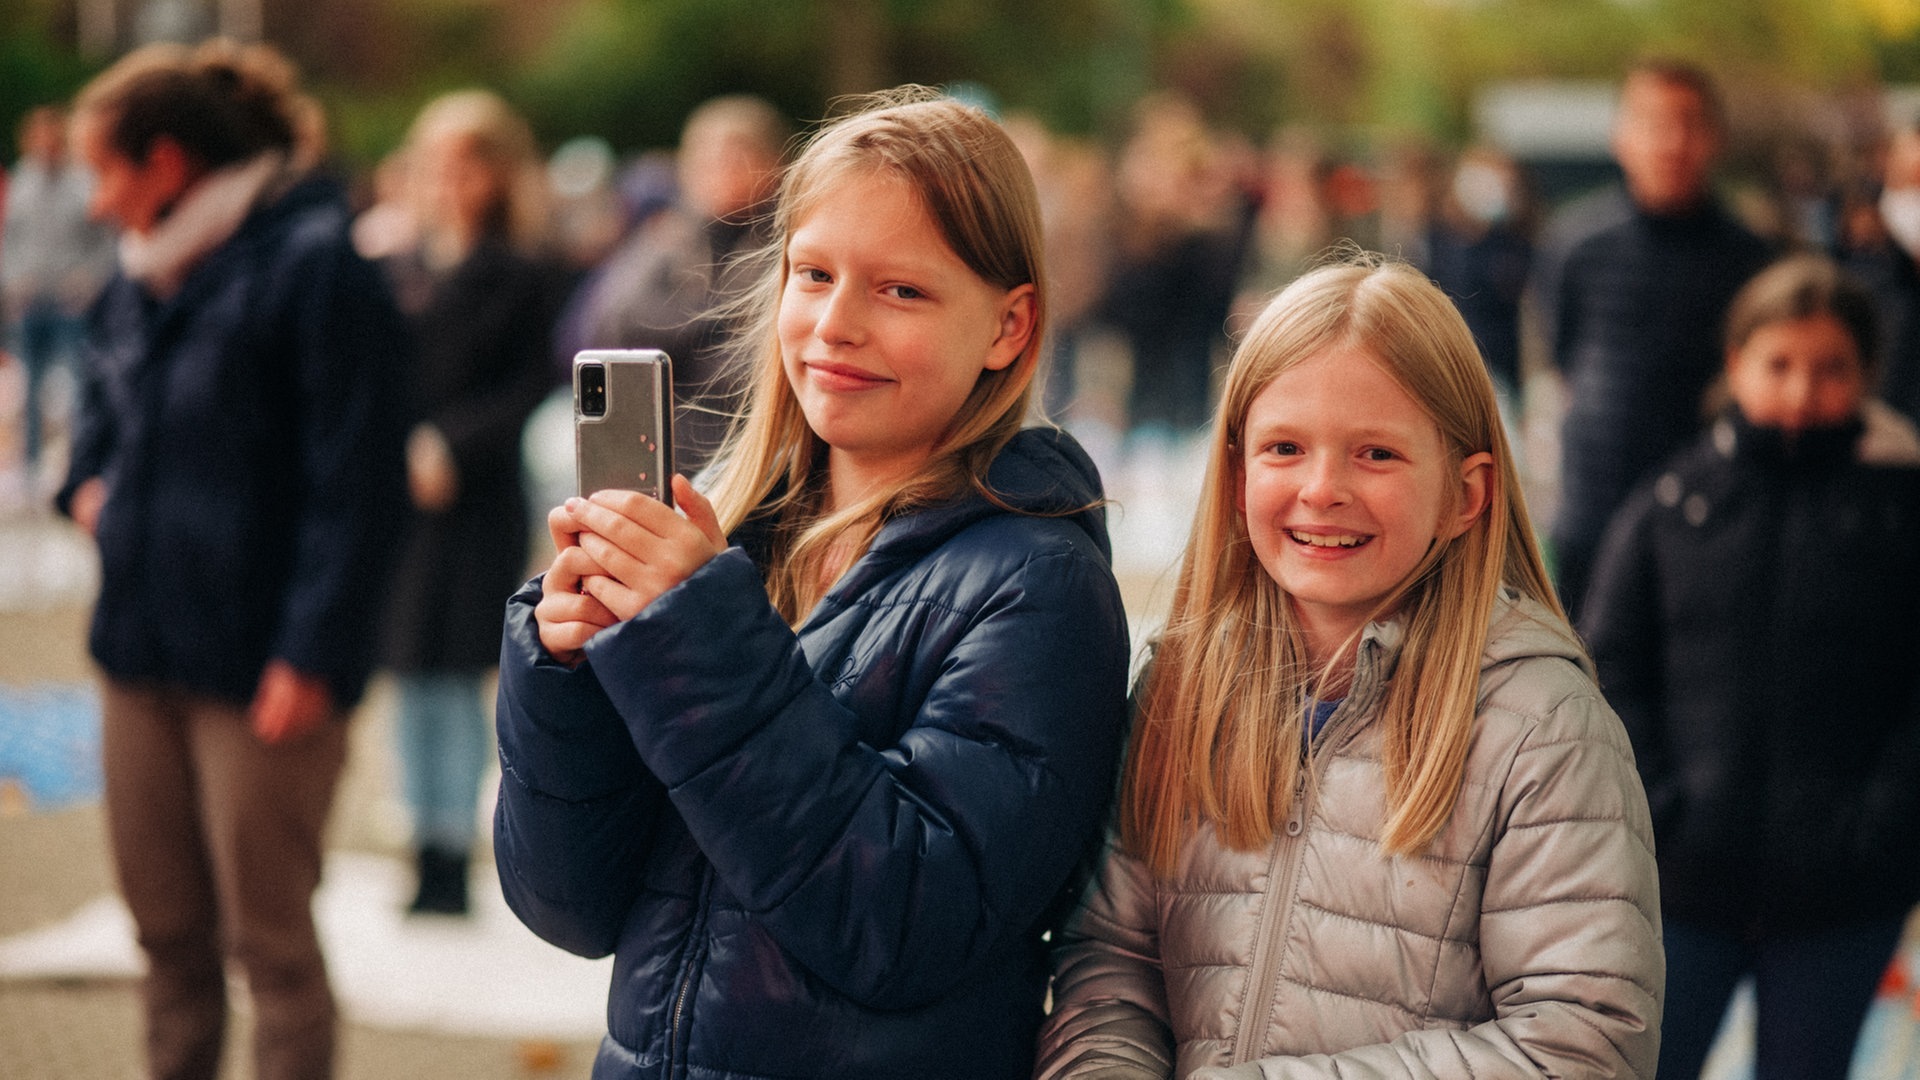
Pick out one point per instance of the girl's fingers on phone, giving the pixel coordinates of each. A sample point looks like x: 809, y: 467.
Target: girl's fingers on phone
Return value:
x: 616, y: 597
x: 699, y: 512
x: 563, y: 528
x: 621, y: 564
x: 568, y: 567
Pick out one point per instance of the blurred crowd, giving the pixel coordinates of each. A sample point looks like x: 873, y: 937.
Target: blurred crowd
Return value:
x: 1159, y: 240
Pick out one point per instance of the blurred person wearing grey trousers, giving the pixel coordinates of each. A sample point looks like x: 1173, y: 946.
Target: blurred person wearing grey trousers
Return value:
x: 238, y: 459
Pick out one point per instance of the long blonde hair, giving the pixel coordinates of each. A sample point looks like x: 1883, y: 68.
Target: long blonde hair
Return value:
x: 1218, y: 736
x: 503, y: 142
x: 976, y: 188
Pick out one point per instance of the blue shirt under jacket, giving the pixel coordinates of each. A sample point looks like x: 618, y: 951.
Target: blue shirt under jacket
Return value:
x: 830, y: 854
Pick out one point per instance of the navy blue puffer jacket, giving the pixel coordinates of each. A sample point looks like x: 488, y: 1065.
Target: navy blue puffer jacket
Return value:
x: 831, y: 854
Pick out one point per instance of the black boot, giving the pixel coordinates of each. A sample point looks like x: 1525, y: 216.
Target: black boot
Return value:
x: 443, y: 883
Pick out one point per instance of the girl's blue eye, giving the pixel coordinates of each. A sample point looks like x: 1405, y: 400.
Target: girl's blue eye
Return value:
x: 1285, y: 448
x: 906, y: 292
x: 1380, y: 453
x: 813, y: 274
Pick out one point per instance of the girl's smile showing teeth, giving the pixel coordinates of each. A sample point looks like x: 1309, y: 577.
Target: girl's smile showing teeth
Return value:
x: 1328, y: 540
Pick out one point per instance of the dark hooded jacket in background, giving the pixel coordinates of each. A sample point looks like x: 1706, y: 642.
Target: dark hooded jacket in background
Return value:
x: 830, y: 854
x: 1755, y: 617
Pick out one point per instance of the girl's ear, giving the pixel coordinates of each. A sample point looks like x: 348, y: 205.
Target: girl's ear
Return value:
x: 1017, y: 315
x: 1476, y: 491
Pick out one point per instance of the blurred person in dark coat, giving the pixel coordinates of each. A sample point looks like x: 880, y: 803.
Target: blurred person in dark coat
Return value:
x: 1632, y: 285
x: 1184, y: 228
x: 237, y: 456
x: 1479, y: 250
x: 482, y: 304
x: 1882, y: 253
x: 1752, y: 620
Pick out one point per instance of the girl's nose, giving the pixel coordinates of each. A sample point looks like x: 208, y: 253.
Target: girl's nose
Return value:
x: 1325, y: 482
x: 841, y: 320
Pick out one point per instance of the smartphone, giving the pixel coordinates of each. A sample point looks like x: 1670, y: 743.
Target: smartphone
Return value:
x: 623, y: 421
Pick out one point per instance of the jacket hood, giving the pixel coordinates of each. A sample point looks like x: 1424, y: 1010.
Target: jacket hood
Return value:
x: 1520, y: 628
x: 1041, y: 471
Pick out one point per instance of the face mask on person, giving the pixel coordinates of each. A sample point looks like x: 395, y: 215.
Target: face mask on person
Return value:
x: 1482, y: 193
x: 1900, y: 213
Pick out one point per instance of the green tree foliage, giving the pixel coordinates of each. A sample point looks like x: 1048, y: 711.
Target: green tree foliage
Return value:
x: 631, y: 69
x: 35, y: 66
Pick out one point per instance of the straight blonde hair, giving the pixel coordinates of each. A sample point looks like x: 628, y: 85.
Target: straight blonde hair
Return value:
x: 503, y: 141
x: 975, y: 186
x: 1218, y: 736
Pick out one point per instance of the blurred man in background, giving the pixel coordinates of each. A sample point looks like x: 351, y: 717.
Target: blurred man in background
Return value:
x: 1631, y: 289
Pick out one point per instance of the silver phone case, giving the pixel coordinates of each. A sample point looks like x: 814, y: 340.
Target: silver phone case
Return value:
x: 630, y: 444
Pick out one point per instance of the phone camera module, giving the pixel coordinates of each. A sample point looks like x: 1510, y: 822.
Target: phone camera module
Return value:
x: 593, y: 390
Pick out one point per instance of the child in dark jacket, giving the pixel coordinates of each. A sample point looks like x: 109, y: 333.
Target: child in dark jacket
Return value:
x: 816, y: 760
x: 1756, y: 617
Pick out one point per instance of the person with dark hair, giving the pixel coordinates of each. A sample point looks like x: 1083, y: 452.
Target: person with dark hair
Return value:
x: 1631, y: 286
x: 237, y: 456
x: 1752, y: 619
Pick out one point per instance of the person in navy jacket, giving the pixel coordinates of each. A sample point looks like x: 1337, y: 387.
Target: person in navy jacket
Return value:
x: 237, y: 456
x: 818, y: 761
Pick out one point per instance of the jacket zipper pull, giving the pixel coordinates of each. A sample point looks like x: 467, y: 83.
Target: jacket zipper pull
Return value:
x: 1294, y: 824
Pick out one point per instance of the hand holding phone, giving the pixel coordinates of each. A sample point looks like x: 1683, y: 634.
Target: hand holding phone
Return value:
x: 617, y: 550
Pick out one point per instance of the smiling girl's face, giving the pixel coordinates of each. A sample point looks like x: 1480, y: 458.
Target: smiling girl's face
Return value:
x: 884, y: 330
x: 1345, y: 483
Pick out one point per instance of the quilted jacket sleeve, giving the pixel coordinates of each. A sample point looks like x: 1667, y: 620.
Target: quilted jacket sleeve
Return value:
x: 1569, y: 926
x: 576, y: 808
x: 889, y: 871
x: 1109, y: 1017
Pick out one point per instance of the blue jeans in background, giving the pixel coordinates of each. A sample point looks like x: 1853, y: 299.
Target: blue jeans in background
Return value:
x: 445, y: 736
x: 44, y: 337
x: 1811, y: 992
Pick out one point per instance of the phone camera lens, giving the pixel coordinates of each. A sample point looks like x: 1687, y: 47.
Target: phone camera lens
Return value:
x: 593, y: 390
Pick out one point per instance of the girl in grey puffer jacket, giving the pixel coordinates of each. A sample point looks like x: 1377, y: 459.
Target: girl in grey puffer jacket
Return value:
x: 1377, y: 819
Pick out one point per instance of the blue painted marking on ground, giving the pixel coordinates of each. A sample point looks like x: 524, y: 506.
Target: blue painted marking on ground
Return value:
x: 50, y: 742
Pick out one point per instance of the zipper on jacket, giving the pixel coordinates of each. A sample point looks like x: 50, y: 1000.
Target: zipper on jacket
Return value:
x: 1267, y: 945
x: 696, y: 947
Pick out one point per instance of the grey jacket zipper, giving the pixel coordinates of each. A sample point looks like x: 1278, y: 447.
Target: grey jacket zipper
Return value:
x: 1270, y: 943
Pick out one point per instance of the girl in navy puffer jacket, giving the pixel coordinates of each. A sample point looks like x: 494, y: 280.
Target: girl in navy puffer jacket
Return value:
x: 821, y: 792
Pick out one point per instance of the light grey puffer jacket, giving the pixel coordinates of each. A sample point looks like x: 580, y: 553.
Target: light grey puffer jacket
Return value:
x: 1523, y: 942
